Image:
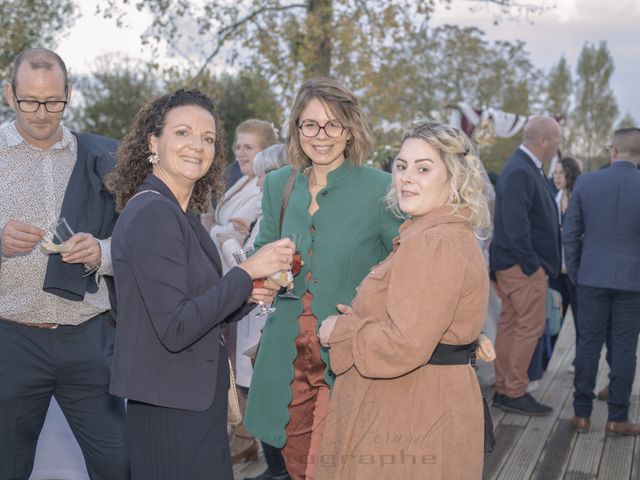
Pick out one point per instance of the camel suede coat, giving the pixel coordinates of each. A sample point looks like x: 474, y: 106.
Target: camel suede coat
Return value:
x: 353, y: 230
x: 391, y: 416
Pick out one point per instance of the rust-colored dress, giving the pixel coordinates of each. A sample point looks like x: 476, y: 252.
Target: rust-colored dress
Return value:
x: 391, y: 416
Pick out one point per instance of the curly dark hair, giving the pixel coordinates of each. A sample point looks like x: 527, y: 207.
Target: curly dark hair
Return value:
x: 571, y: 169
x: 132, y: 158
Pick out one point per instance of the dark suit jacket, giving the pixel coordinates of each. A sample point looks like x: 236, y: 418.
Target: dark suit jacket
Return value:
x: 526, y: 229
x: 88, y: 207
x: 601, y: 230
x: 172, y: 299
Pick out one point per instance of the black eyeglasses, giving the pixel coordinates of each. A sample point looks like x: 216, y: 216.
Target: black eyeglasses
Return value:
x: 311, y: 128
x: 32, y: 106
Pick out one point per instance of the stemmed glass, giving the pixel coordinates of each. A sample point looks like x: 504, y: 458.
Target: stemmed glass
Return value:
x: 61, y: 231
x: 296, y: 267
x: 242, y: 255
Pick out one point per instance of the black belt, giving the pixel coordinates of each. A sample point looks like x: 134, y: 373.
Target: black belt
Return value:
x: 454, y: 354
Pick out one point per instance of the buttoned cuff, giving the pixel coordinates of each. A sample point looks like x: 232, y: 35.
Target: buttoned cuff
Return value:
x: 106, y: 267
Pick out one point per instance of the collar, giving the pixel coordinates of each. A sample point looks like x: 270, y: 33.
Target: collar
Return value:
x: 535, y: 159
x: 338, y: 175
x: 624, y: 163
x: 154, y: 183
x: 14, y: 138
x: 438, y: 216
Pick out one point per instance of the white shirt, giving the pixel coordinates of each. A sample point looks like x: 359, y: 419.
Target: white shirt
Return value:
x: 33, y: 182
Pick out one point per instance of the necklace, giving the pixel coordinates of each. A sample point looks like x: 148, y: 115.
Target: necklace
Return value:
x: 317, y: 184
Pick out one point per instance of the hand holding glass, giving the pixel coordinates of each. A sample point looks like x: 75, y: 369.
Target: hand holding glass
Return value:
x: 61, y: 231
x: 296, y: 266
x: 241, y: 256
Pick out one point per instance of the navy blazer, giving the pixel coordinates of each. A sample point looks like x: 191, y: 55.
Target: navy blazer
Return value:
x: 601, y: 230
x: 172, y: 299
x: 526, y: 226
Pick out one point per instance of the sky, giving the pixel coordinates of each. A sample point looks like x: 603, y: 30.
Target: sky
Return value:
x: 562, y: 30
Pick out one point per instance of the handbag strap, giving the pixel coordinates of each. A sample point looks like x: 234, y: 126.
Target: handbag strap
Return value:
x: 285, y: 199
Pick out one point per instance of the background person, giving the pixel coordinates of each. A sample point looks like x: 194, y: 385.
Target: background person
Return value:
x: 337, y: 207
x: 55, y: 335
x: 238, y: 207
x: 601, y: 239
x: 394, y: 352
x: 525, y: 249
x: 170, y: 358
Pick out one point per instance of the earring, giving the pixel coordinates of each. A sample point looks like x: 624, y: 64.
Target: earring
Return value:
x: 153, y: 159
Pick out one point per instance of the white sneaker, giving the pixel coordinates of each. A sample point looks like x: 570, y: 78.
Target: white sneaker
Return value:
x: 533, y: 386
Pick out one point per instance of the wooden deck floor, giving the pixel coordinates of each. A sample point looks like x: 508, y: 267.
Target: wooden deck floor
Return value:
x: 546, y: 448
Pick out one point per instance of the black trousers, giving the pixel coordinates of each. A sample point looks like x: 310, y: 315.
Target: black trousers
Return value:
x: 72, y: 363
x: 618, y: 311
x: 174, y: 444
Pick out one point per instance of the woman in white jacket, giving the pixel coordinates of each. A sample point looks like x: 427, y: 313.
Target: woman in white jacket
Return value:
x: 239, y: 206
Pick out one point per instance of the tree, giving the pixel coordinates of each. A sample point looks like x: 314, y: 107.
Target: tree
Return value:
x: 627, y: 122
x: 559, y: 89
x: 112, y: 95
x: 596, y: 107
x: 237, y: 97
x: 30, y: 23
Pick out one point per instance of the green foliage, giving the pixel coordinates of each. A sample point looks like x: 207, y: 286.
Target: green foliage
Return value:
x: 237, y: 97
x: 559, y: 89
x: 596, y: 107
x: 112, y: 96
x: 627, y: 122
x: 30, y: 23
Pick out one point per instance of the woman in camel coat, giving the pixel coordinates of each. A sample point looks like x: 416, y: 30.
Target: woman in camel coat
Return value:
x: 396, y: 411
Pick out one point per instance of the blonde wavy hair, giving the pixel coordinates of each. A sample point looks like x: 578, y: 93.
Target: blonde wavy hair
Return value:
x: 464, y: 170
x: 340, y: 102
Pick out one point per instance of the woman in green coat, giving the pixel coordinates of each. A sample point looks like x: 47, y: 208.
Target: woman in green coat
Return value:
x: 337, y: 208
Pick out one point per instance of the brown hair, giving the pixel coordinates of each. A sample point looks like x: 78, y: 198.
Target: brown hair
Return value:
x: 39, y: 59
x: 338, y: 101
x: 263, y: 129
x: 132, y: 159
x: 571, y: 169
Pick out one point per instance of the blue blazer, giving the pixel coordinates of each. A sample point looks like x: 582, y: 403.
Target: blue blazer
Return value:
x: 526, y: 225
x: 601, y: 230
x: 172, y: 299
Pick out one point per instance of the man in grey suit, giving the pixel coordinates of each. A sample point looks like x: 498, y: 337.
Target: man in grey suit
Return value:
x: 601, y: 238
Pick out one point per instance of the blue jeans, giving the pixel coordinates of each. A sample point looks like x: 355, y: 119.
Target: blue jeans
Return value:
x: 618, y: 311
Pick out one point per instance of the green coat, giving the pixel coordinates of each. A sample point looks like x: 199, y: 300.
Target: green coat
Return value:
x: 353, y: 231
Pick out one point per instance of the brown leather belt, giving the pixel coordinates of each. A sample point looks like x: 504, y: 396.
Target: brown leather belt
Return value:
x: 48, y: 326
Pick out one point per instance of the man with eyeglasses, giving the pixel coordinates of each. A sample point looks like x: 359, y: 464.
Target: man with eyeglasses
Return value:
x: 55, y: 335
x: 601, y: 238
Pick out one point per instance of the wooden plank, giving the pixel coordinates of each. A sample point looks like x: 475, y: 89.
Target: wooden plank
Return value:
x: 506, y: 437
x: 553, y: 462
x: 617, y: 457
x: 525, y: 454
x: 587, y: 452
x: 579, y: 476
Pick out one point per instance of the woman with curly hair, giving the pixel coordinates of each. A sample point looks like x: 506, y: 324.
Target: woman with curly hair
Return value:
x: 406, y: 402
x: 170, y: 359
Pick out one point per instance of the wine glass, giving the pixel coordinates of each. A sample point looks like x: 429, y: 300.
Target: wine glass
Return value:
x: 296, y: 267
x: 240, y: 256
x: 61, y: 231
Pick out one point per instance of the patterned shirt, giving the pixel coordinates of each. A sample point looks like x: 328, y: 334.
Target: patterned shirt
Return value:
x: 33, y: 182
